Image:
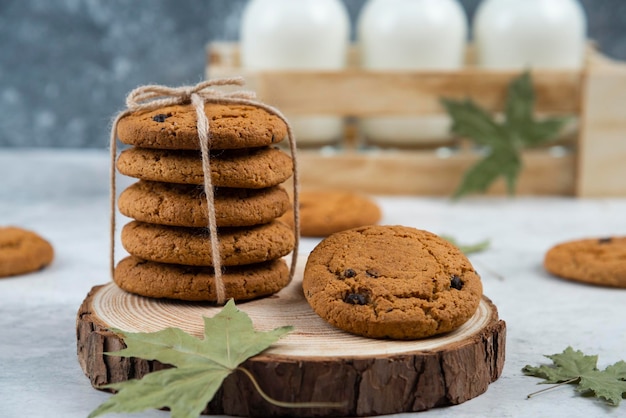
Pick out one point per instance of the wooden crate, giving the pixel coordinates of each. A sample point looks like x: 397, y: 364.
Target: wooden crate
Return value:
x: 593, y: 164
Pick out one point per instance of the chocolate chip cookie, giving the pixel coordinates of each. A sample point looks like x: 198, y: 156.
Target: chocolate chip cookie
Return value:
x: 192, y: 246
x: 159, y: 280
x: 185, y: 205
x: 23, y: 251
x: 599, y: 261
x: 175, y: 127
x: 251, y: 168
x: 391, y: 282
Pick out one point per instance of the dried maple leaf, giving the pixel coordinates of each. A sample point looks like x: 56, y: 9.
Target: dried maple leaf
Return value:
x: 201, y: 365
x: 577, y: 368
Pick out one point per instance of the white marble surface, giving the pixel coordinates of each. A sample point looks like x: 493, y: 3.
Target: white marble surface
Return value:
x: 63, y: 195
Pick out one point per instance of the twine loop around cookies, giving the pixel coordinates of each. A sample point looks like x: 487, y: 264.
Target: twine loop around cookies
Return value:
x: 152, y: 97
x: 157, y: 96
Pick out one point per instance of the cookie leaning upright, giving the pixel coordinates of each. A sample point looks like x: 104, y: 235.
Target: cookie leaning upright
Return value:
x: 391, y: 282
x: 208, y: 196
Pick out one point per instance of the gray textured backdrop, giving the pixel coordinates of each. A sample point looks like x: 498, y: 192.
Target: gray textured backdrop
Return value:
x: 66, y: 65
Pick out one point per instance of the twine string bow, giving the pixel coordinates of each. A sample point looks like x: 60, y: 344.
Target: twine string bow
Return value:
x: 152, y: 97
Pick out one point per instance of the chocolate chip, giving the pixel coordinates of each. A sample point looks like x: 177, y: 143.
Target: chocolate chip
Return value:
x: 456, y: 283
x: 349, y: 273
x: 372, y: 273
x: 606, y: 240
x: 160, y: 117
x: 356, y: 299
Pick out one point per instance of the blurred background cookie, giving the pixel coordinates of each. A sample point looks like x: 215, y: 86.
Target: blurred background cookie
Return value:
x: 599, y: 261
x: 324, y: 212
x: 22, y: 251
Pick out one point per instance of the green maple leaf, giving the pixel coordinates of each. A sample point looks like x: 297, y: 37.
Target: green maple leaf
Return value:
x: 201, y: 365
x: 505, y: 140
x: 577, y: 368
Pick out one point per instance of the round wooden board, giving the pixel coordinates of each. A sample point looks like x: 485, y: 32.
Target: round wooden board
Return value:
x: 316, y: 362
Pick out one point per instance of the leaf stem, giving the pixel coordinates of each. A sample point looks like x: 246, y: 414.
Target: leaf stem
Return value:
x: 289, y: 404
x: 572, y: 380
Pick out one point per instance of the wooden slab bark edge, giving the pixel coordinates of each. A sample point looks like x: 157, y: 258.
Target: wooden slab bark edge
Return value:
x: 376, y: 385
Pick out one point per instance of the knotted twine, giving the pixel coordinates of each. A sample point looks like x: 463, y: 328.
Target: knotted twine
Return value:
x: 152, y: 97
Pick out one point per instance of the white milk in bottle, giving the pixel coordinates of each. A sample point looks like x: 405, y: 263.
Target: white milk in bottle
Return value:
x: 298, y: 35
x: 411, y: 35
x: 530, y: 34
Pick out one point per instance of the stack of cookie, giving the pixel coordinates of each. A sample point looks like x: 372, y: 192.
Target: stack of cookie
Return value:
x: 168, y: 240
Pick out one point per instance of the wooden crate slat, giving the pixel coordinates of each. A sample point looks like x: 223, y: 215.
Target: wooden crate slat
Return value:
x: 424, y: 173
x: 383, y: 93
x: 602, y: 141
